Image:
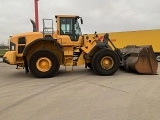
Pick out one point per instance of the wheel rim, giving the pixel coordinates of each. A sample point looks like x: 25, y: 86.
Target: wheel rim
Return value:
x: 158, y: 58
x: 43, y: 64
x: 107, y: 62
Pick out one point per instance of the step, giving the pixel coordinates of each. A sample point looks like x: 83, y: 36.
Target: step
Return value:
x: 68, y: 68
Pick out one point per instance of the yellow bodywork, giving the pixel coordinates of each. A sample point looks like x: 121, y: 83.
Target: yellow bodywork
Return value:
x: 68, y: 47
x: 11, y: 57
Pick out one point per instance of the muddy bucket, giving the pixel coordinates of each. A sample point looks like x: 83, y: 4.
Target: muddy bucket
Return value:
x: 140, y: 59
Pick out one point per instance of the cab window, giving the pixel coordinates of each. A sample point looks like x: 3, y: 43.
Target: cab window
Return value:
x: 70, y: 27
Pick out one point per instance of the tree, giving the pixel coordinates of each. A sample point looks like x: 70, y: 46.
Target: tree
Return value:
x: 3, y: 46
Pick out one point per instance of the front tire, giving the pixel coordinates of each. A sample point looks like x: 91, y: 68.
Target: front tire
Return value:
x: 105, y: 62
x: 44, y: 64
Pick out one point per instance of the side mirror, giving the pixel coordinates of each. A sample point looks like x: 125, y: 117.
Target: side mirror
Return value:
x: 81, y: 21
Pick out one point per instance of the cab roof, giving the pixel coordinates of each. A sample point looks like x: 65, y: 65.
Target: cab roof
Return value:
x: 76, y: 16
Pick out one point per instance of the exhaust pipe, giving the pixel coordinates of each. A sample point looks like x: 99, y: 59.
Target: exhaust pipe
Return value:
x: 34, y: 26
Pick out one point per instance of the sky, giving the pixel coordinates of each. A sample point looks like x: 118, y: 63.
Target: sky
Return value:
x: 98, y: 15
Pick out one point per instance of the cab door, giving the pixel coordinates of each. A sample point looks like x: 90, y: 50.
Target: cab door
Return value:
x: 70, y: 32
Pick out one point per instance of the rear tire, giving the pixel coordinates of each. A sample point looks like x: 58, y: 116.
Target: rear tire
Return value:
x: 105, y: 62
x: 44, y: 64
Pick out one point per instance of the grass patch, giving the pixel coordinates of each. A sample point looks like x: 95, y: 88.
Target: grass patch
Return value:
x: 2, y: 52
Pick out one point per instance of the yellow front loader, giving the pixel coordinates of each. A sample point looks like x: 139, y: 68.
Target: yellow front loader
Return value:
x: 42, y: 53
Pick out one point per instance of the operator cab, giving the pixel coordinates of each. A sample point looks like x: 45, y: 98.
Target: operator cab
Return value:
x: 69, y: 25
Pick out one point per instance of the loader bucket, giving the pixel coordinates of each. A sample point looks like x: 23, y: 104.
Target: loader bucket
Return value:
x: 140, y: 59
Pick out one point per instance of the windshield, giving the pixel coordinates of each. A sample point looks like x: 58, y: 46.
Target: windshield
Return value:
x: 77, y: 29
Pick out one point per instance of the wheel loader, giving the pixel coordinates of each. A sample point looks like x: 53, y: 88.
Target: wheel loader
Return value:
x: 42, y: 53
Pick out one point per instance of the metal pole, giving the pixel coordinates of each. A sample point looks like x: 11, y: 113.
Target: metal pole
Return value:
x: 36, y: 14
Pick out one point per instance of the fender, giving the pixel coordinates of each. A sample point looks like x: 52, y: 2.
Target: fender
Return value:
x: 29, y: 46
x: 99, y: 46
x: 50, y: 39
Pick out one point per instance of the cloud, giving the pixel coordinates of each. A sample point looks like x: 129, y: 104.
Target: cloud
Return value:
x: 98, y: 15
